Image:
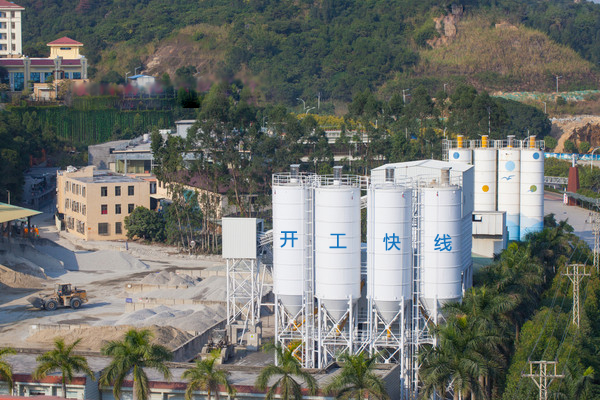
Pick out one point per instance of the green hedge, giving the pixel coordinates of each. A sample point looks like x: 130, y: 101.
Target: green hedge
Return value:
x: 93, y: 126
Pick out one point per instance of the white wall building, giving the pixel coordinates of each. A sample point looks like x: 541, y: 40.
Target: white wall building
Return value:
x: 10, y: 29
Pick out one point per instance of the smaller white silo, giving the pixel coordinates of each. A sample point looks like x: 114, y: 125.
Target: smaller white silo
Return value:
x: 460, y: 153
x: 532, y: 188
x: 485, y: 177
x: 509, y: 185
x: 442, y: 241
x: 337, y: 243
x: 389, y: 262
x: 290, y: 218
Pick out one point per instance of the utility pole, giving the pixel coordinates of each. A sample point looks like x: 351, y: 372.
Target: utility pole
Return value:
x: 541, y: 377
x: 575, y: 275
x: 319, y: 101
x: 594, y: 219
x: 404, y: 95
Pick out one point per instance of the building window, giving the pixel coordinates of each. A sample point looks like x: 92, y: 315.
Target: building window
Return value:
x: 117, y: 209
x: 83, y: 209
x: 152, y: 187
x: 12, y: 25
x: 130, y: 208
x: 118, y: 229
x: 117, y: 190
x: 18, y: 77
x: 2, y: 15
x: 83, y: 191
x: 104, y: 209
x: 12, y: 14
x: 103, y: 191
x: 130, y: 190
x: 36, y: 77
x: 65, y: 48
x: 103, y: 228
x: 76, y: 75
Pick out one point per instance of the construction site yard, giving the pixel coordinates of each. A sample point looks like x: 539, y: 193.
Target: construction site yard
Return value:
x: 128, y: 285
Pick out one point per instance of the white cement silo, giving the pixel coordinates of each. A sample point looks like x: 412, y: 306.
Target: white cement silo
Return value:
x: 509, y: 186
x: 532, y: 189
x: 389, y: 265
x: 485, y: 177
x: 337, y: 244
x: 460, y: 153
x: 290, y: 218
x: 442, y: 242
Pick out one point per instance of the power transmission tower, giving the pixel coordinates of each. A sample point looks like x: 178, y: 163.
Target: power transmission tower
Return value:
x: 575, y: 275
x: 594, y: 219
x: 541, y: 377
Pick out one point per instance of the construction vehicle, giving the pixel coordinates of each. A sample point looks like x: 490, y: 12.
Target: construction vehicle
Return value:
x: 63, y: 296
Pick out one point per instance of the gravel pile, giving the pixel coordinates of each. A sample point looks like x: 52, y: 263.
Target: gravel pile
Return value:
x: 211, y: 289
x: 102, y: 260
x: 198, y: 319
x: 94, y: 337
x: 169, y: 278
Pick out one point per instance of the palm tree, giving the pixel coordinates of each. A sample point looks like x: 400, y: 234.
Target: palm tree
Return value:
x: 205, y: 376
x: 286, y: 368
x: 132, y: 355
x: 5, y: 367
x: 463, y: 356
x: 62, y: 359
x: 357, y: 379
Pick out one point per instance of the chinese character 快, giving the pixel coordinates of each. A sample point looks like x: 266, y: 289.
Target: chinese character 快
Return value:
x: 391, y: 242
x: 443, y: 243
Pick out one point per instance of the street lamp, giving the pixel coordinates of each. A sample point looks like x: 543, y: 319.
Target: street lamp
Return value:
x: 544, y: 107
x: 592, y: 160
x: 126, y: 73
x: 303, y: 103
x: 445, y: 87
x: 557, y: 78
x: 140, y: 67
x: 308, y: 109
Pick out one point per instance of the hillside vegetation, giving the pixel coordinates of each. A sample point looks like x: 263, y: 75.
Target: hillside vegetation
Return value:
x: 501, y: 55
x: 291, y: 49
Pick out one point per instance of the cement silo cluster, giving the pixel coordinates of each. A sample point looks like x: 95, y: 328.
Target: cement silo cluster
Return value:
x: 509, y: 177
x: 334, y: 294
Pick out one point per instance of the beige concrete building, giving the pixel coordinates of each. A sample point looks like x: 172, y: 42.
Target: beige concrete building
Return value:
x: 93, y: 204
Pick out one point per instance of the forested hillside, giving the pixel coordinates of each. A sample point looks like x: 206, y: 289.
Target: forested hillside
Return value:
x: 299, y: 48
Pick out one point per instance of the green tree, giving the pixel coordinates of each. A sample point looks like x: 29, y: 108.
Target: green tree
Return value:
x: 357, y: 379
x: 62, y: 359
x: 205, y: 376
x: 145, y: 224
x: 284, y: 370
x: 462, y: 357
x: 5, y: 367
x: 133, y: 355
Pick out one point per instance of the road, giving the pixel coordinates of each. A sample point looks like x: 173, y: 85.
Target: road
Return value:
x: 576, y: 216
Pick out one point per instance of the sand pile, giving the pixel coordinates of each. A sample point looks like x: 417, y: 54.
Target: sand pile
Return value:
x: 11, y: 277
x: 94, y: 337
x: 212, y: 289
x: 83, y: 260
x: 169, y: 278
x: 198, y: 319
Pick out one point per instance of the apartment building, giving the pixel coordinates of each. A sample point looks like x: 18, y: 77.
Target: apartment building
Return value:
x: 10, y: 29
x: 93, y: 204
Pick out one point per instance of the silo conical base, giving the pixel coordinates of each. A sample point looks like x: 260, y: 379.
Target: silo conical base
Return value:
x: 291, y: 303
x: 388, y: 310
x: 335, y: 308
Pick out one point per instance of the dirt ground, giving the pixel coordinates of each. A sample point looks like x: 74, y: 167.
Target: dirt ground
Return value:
x: 103, y: 269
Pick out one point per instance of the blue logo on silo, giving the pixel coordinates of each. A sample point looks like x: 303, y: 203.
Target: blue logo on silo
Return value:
x: 536, y: 156
x: 456, y: 155
x: 510, y: 165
